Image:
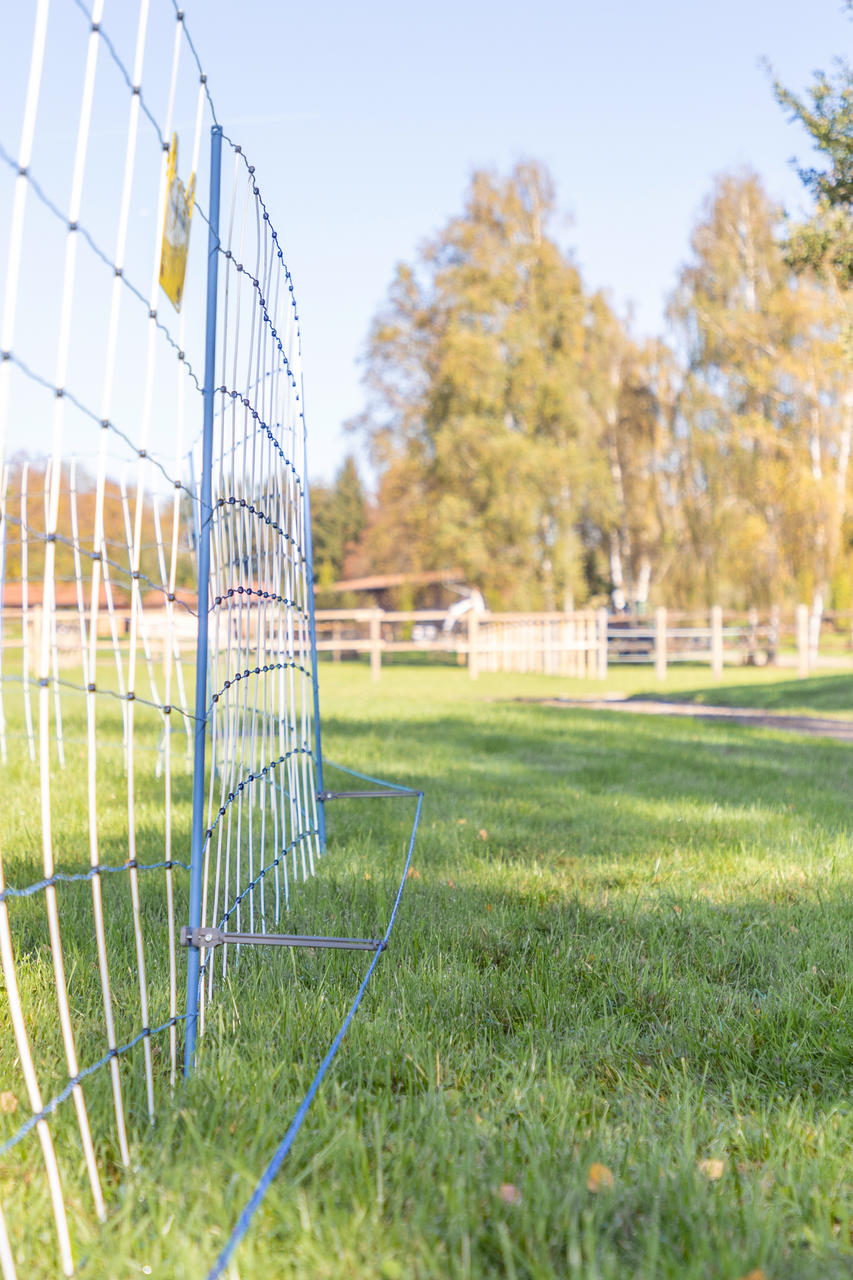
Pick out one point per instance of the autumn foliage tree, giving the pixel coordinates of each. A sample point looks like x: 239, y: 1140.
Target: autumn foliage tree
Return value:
x: 519, y: 431
x: 492, y: 390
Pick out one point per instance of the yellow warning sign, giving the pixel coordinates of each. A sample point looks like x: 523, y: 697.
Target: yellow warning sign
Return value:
x: 176, y: 229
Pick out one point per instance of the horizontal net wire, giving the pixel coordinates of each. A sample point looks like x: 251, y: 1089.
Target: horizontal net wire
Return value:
x: 100, y: 424
x: 262, y: 833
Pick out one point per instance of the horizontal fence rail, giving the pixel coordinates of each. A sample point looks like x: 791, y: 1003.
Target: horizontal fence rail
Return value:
x: 568, y: 644
x: 585, y: 643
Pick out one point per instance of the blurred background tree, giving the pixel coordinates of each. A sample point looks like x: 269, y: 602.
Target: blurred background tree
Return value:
x: 518, y: 430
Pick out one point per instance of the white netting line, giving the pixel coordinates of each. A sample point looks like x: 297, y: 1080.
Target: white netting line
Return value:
x: 262, y: 779
x: 261, y: 706
x: 39, y: 632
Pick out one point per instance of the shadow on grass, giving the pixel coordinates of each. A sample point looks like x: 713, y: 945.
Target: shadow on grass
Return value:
x: 590, y: 886
x: 826, y: 693
x: 542, y: 768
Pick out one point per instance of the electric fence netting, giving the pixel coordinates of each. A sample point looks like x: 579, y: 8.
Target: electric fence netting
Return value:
x: 159, y: 720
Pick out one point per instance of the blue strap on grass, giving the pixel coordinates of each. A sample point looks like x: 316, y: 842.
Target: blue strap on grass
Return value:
x: 253, y: 1204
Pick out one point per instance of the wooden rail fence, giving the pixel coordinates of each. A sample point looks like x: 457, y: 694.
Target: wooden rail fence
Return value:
x: 585, y: 643
x: 567, y: 644
x: 579, y: 644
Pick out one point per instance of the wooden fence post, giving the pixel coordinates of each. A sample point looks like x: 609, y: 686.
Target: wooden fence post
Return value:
x: 716, y: 642
x: 660, y: 643
x: 602, y: 644
x: 473, y: 655
x: 376, y: 644
x: 802, y: 640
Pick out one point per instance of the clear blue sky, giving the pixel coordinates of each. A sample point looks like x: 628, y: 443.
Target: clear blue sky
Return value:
x: 366, y: 119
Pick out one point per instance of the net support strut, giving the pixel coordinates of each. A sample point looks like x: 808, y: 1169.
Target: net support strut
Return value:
x: 205, y: 516
x: 211, y: 936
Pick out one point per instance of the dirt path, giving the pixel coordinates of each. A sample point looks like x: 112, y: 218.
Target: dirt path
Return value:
x: 818, y: 726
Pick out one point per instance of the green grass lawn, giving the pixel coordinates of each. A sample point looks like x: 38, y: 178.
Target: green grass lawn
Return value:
x: 626, y: 942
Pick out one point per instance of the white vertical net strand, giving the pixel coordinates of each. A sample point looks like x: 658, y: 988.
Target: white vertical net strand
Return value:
x: 173, y: 642
x: 261, y: 802
x: 89, y: 649
x: 277, y: 395
x: 286, y: 589
x: 266, y: 468
x: 218, y: 588
x: 252, y: 494
x: 136, y: 597
x: 13, y: 267
x: 25, y: 1057
x: 271, y: 412
x: 25, y: 611
x: 7, y: 1261
x: 134, y: 551
x: 4, y: 490
x: 259, y: 471
x: 52, y: 622
x: 168, y: 658
x: 48, y: 604
x: 219, y: 584
x: 16, y: 233
x: 302, y: 622
x: 171, y: 646
x: 309, y: 728
x: 238, y: 524
x: 264, y: 650
x: 228, y: 487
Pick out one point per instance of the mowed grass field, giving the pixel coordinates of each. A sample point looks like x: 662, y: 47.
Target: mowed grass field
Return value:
x: 612, y: 1037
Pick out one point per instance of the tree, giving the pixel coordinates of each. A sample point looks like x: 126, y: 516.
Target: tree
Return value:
x: 824, y: 242
x: 338, y: 516
x: 627, y: 512
x: 763, y: 424
x: 481, y: 420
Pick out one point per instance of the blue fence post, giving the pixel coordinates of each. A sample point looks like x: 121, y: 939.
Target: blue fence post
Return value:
x: 205, y: 516
x: 309, y: 554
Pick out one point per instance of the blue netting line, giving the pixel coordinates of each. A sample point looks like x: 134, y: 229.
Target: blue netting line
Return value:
x: 259, y: 514
x: 266, y: 669
x: 105, y: 423
x: 113, y: 52
x: 305, y: 835
x: 60, y: 1097
x: 265, y: 427
x: 253, y: 777
x: 181, y: 17
x: 63, y: 877
x: 254, y: 1202
x: 39, y: 192
x: 365, y: 777
x: 55, y: 681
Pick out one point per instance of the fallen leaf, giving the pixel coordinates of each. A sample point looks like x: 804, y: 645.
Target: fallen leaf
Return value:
x: 599, y: 1178
x: 483, y: 833
x: 413, y: 873
x: 757, y: 1274
x: 712, y: 1169
x: 509, y: 1193
x: 8, y: 1103
x: 461, y: 821
x: 488, y: 906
